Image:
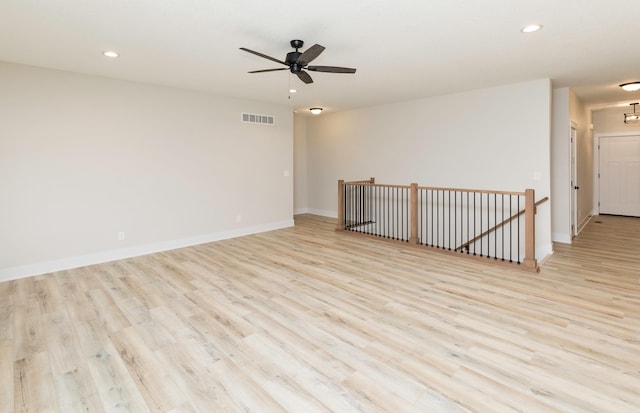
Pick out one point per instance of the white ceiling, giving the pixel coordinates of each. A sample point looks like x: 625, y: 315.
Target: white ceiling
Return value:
x: 403, y: 49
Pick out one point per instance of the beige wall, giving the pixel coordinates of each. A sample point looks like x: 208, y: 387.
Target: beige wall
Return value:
x: 584, y: 159
x: 611, y: 121
x: 496, y: 138
x: 567, y: 108
x: 83, y: 158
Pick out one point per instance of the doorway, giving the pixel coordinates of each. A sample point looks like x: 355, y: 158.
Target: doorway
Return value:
x: 619, y: 175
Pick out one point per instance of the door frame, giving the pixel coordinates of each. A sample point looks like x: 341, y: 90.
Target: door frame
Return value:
x: 596, y: 161
x: 573, y: 162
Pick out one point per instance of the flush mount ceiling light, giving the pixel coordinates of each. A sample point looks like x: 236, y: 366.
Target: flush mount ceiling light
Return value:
x: 110, y: 53
x: 631, y: 86
x: 531, y: 28
x: 292, y: 91
x: 632, y: 117
x: 316, y: 111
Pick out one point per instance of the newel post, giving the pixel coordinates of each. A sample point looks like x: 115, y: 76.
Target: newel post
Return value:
x: 530, y: 230
x: 340, y: 226
x: 413, y: 202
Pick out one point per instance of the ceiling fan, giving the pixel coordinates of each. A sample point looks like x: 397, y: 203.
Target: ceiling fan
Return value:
x: 298, y: 61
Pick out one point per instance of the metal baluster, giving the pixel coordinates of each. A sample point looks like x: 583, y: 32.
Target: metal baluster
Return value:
x: 388, y: 212
x: 488, y: 225
x: 518, y: 230
x: 468, y: 208
x: 406, y: 225
x: 421, y: 215
x: 449, y: 220
x: 377, y: 210
x: 495, y: 222
x: 344, y: 206
x: 474, y: 223
x: 397, y: 232
x: 365, y: 208
x: 351, y: 201
x: 393, y: 213
x: 407, y: 214
x: 511, y: 229
x: 401, y: 234
x: 481, y: 224
x: 431, y: 190
x: 347, y: 199
x: 502, y: 228
x: 386, y: 208
x: 437, y: 219
x: 455, y: 219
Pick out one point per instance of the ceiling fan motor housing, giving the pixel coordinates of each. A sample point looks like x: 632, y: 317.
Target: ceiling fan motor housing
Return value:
x: 292, y: 58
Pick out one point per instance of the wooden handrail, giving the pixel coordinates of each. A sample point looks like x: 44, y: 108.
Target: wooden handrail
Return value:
x: 478, y: 191
x: 364, y: 181
x: 500, y: 225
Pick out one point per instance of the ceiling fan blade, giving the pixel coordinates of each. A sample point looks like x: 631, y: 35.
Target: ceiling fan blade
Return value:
x: 331, y: 69
x: 310, y: 54
x: 305, y: 77
x: 268, y: 70
x: 273, y: 59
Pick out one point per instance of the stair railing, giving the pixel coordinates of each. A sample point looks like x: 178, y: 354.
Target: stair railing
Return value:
x: 499, y: 225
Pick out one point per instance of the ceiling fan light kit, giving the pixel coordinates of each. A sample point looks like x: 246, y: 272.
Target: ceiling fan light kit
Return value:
x: 631, y: 86
x: 531, y: 28
x: 632, y: 117
x: 297, y: 62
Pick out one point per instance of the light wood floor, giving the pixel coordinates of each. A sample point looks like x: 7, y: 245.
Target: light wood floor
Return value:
x: 307, y: 320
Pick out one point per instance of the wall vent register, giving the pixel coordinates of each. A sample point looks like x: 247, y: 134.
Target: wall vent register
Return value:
x: 255, y: 118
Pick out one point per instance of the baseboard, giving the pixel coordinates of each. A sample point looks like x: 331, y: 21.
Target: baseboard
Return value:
x: 300, y: 211
x: 544, y: 259
x: 562, y: 238
x: 544, y: 252
x: 14, y: 273
x: 328, y: 214
x: 584, y: 223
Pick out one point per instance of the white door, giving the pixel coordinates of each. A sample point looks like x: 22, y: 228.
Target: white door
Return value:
x: 620, y: 175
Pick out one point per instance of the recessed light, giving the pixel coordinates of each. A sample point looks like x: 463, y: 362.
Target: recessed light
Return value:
x: 292, y: 91
x: 531, y: 28
x: 631, y: 86
x: 110, y: 53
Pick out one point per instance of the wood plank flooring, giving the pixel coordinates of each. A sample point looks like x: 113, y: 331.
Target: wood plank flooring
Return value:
x: 308, y: 320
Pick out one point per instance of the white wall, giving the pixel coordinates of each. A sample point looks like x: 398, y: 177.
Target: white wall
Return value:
x: 561, y: 167
x: 83, y: 158
x: 300, y: 204
x: 496, y: 138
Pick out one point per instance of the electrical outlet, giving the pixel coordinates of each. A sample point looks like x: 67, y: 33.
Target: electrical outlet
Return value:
x: 121, y: 236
